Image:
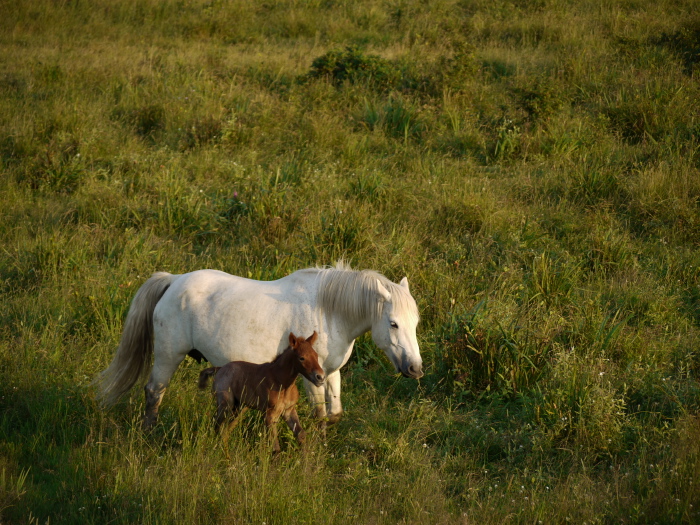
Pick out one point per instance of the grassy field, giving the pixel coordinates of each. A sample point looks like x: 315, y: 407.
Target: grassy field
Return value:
x: 532, y: 167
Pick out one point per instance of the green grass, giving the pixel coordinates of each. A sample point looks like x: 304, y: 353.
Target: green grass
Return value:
x: 532, y: 167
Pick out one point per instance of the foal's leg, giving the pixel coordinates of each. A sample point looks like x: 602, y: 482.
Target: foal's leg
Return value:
x: 292, y: 419
x: 224, y: 404
x: 236, y: 414
x: 272, y: 415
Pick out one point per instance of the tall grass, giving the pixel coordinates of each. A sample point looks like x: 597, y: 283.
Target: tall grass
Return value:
x: 531, y: 167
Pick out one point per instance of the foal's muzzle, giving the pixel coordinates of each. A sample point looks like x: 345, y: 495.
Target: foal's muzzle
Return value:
x: 318, y: 379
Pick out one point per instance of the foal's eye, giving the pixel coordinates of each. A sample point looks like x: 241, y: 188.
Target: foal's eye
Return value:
x: 393, y: 324
x: 301, y: 359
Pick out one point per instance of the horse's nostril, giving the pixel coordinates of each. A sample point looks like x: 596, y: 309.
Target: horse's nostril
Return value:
x: 319, y: 377
x: 415, y: 371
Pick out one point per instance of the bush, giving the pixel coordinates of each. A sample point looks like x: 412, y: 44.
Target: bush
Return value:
x: 352, y: 65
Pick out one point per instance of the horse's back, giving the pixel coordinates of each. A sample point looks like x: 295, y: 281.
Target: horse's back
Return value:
x: 230, y: 318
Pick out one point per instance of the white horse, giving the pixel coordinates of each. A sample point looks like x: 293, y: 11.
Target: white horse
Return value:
x: 227, y: 318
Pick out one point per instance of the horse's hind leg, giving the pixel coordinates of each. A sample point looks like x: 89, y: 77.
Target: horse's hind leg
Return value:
x: 162, y: 371
x: 154, y: 395
x: 317, y: 397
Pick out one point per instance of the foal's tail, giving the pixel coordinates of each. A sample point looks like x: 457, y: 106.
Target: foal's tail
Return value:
x: 136, y: 345
x: 205, y: 374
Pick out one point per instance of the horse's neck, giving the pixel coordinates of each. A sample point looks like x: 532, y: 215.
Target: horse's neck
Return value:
x: 354, y: 329
x: 282, y: 371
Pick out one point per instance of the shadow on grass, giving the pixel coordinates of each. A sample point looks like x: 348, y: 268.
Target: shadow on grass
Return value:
x: 60, y: 437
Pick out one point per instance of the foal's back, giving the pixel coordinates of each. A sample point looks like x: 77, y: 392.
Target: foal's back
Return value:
x: 256, y: 386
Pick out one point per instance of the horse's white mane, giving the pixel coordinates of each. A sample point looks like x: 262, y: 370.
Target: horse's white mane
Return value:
x: 353, y: 293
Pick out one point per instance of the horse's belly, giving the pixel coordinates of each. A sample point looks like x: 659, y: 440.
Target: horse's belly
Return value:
x: 241, y: 333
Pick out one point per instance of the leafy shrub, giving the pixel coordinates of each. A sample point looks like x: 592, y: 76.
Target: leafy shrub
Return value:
x: 352, y: 65
x: 451, y: 71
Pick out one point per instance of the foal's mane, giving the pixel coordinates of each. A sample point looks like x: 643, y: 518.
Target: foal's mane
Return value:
x: 353, y: 293
x: 278, y: 357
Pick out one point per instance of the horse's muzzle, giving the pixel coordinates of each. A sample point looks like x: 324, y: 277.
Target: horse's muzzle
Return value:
x: 413, y: 372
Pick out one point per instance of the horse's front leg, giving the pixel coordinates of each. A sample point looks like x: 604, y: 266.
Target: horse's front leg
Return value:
x: 317, y: 398
x: 334, y: 407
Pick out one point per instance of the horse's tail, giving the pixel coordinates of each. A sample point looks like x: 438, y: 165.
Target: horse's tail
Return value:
x: 136, y: 345
x: 205, y: 374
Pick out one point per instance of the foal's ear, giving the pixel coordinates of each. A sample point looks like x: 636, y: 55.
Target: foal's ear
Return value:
x: 383, y: 293
x: 292, y: 340
x: 404, y: 283
x: 312, y: 338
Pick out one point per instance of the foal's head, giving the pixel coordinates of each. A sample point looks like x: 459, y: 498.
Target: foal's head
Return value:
x: 306, y: 358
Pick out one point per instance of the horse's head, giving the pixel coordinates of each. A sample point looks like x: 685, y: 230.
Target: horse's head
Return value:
x: 394, y: 331
x: 306, y: 358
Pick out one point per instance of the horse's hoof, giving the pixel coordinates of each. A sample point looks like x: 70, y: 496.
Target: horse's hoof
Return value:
x: 334, y: 418
x: 148, y: 423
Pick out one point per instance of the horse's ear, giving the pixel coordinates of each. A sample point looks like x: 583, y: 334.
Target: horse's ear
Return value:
x: 292, y: 339
x: 312, y: 338
x: 383, y: 292
x: 404, y: 283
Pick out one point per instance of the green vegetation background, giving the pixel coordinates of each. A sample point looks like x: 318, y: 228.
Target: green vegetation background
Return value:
x: 532, y: 167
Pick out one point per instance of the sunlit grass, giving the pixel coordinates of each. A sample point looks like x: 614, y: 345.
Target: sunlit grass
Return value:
x: 531, y: 167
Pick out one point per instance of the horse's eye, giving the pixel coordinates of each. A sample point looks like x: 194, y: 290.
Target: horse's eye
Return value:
x: 301, y: 359
x: 393, y: 324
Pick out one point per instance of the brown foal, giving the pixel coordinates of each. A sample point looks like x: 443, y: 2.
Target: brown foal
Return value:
x: 269, y: 387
